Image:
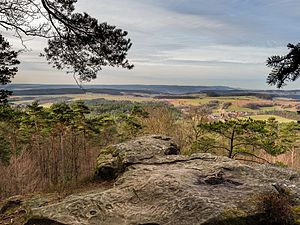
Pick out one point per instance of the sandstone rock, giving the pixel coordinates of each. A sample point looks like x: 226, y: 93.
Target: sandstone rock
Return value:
x: 113, y: 160
x: 156, y: 188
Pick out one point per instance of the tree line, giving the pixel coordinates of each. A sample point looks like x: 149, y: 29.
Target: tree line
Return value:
x: 43, y: 147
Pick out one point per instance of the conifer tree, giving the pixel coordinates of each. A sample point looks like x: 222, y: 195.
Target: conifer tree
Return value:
x: 247, y: 137
x: 8, y: 69
x: 77, y: 42
x: 284, y: 68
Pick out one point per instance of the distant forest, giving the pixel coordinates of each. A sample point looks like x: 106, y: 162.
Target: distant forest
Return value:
x: 162, y: 91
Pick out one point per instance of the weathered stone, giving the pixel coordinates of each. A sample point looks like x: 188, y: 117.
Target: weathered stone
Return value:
x: 113, y: 160
x: 167, y: 190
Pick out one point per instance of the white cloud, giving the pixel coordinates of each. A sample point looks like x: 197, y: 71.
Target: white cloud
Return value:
x: 186, y: 41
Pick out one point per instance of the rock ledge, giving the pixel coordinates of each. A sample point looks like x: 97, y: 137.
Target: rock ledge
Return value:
x: 154, y: 185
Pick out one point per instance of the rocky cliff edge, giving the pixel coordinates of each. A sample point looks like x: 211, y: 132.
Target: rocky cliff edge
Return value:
x: 154, y: 185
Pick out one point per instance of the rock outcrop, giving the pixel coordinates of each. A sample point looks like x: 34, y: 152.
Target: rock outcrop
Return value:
x: 115, y: 159
x: 156, y: 186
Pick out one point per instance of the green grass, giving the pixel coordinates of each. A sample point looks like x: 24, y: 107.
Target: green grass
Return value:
x: 87, y: 96
x: 266, y: 117
x: 238, y: 108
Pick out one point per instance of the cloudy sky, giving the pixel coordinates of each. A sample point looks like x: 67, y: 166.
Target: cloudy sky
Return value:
x: 190, y: 42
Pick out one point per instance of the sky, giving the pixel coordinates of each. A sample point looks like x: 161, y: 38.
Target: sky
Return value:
x: 186, y: 42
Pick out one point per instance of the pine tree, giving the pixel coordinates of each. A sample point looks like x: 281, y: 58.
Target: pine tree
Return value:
x: 284, y: 68
x: 8, y: 69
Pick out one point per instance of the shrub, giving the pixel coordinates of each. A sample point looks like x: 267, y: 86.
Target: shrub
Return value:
x: 226, y: 105
x: 275, y: 208
x: 257, y: 106
x: 213, y: 104
x: 268, y: 208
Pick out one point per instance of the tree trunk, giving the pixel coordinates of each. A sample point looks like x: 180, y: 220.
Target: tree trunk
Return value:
x: 231, y: 144
x: 62, y: 156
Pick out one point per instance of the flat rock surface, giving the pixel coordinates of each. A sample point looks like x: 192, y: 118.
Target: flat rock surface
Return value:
x: 166, y: 190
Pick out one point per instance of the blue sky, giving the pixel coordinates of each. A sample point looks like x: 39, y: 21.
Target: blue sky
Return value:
x: 190, y: 42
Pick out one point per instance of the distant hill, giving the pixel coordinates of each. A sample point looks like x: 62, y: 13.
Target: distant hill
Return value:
x: 168, y: 90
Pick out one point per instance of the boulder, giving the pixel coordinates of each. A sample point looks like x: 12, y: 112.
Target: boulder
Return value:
x: 113, y: 160
x: 153, y: 185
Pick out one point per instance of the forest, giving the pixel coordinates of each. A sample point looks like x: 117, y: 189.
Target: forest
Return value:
x: 45, y: 149
x: 216, y: 155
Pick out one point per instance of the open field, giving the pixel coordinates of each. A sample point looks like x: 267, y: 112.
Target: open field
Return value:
x: 277, y: 118
x: 238, y: 106
x: 48, y: 100
x: 239, y: 102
